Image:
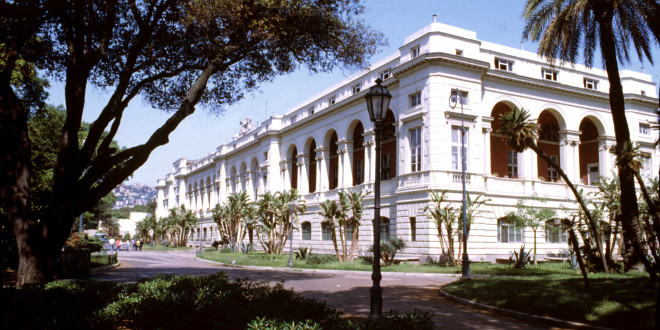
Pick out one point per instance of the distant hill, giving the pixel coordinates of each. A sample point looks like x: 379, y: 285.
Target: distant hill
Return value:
x: 129, y: 195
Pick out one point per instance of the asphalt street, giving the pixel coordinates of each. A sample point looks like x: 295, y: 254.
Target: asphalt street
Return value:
x: 346, y: 291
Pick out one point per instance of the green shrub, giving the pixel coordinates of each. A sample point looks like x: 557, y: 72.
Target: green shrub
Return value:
x: 79, y: 241
x: 522, y: 258
x: 303, y: 252
x: 319, y: 259
x: 388, y: 250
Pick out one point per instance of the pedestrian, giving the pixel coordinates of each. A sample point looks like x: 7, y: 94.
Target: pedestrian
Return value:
x: 112, y: 244
x: 138, y: 245
x: 134, y: 246
x: 118, y: 243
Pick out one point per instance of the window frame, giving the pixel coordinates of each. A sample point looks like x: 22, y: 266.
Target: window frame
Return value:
x: 555, y: 236
x: 503, y: 64
x: 464, y: 99
x: 356, y: 88
x: 512, y: 163
x: 326, y: 231
x: 456, y: 160
x: 306, y: 231
x: 413, y: 228
x: 415, y: 100
x: 414, y: 52
x: 385, y: 74
x: 332, y: 100
x: 549, y: 74
x: 510, y: 229
x: 415, y: 145
x: 644, y: 128
x: 590, y: 83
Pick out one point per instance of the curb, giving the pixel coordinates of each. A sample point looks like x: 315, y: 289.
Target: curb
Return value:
x: 329, y: 271
x: 100, y: 269
x: 521, y: 316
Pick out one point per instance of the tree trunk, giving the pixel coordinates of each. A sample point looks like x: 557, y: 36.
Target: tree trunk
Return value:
x: 634, y: 255
x: 578, y: 197
x: 572, y: 238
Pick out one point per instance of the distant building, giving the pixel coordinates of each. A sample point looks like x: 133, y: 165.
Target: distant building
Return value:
x: 326, y: 144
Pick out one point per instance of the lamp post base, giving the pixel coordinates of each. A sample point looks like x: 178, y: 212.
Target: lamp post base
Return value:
x: 376, y: 302
x: 465, y: 269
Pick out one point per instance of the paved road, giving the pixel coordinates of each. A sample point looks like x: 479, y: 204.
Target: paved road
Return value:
x: 346, y: 291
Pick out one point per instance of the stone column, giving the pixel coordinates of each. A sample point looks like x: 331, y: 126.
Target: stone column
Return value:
x: 486, y: 133
x: 249, y: 185
x: 569, y: 152
x: 606, y: 156
x: 303, y: 174
x: 345, y: 150
x: 369, y: 156
x: 323, y: 162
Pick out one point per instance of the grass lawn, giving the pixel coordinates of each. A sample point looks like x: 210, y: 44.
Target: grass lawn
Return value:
x: 615, y: 301
x: 158, y: 247
x: 257, y: 258
x: 549, y: 289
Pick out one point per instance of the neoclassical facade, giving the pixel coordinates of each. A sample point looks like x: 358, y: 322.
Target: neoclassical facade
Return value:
x: 327, y: 144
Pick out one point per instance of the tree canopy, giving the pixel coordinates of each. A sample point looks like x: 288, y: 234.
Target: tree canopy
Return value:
x: 175, y: 55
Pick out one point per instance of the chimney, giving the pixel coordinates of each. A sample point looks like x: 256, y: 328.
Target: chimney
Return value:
x: 434, y: 18
x: 642, y: 69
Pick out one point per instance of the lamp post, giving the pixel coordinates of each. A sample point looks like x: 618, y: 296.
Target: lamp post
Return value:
x: 378, y: 101
x: 453, y: 99
x: 199, y: 234
x: 292, y: 208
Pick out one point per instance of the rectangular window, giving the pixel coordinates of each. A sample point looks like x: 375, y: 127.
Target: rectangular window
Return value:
x: 415, y: 99
x: 413, y: 229
x: 554, y: 232
x: 349, y: 235
x: 456, y: 155
x: 646, y: 170
x: 357, y: 88
x: 414, y: 52
x: 310, y: 111
x: 644, y: 128
x: 416, y: 149
x: 332, y: 100
x: 462, y: 98
x: 504, y: 65
x: 293, y: 119
x: 383, y: 75
x: 590, y: 83
x: 507, y: 232
x: 306, y: 231
x: 326, y: 232
x: 548, y: 74
x: 385, y: 173
x: 512, y: 164
x: 553, y: 175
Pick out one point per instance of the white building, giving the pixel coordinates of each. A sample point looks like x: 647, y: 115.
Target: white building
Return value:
x: 327, y: 143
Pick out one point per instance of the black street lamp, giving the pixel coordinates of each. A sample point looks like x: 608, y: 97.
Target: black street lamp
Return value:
x: 378, y: 101
x: 453, y: 99
x: 292, y: 209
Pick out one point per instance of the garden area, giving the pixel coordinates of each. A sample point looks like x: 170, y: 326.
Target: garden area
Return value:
x: 177, y: 302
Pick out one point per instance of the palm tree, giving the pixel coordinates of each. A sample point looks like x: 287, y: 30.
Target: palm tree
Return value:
x: 563, y: 27
x: 519, y: 133
x: 352, y: 205
x: 331, y: 212
x: 111, y: 227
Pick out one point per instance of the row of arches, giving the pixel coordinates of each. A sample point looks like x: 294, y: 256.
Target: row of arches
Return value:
x: 552, y: 135
x: 325, y: 166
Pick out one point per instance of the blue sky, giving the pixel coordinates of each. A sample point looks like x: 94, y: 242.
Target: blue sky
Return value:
x: 200, y: 134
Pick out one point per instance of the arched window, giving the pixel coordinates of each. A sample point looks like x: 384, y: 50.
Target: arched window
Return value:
x: 507, y: 231
x: 312, y: 167
x: 358, y: 155
x: 384, y: 229
x: 204, y: 233
x: 326, y: 231
x: 388, y: 148
x: 306, y: 229
x: 548, y: 143
x: 294, y: 168
x: 333, y: 169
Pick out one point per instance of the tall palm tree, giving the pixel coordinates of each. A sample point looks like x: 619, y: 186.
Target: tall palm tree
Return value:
x: 519, y: 133
x: 563, y: 28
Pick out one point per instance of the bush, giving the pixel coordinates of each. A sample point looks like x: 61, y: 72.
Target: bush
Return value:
x: 319, y: 259
x: 388, y: 250
x: 82, y: 241
x: 303, y: 252
x: 178, y: 302
x: 216, y: 244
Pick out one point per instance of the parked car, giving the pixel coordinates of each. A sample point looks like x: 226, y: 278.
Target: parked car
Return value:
x: 102, y: 236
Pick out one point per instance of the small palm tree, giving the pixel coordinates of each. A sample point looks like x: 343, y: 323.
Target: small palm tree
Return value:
x: 519, y: 133
x: 110, y: 227
x: 331, y: 212
x: 352, y: 205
